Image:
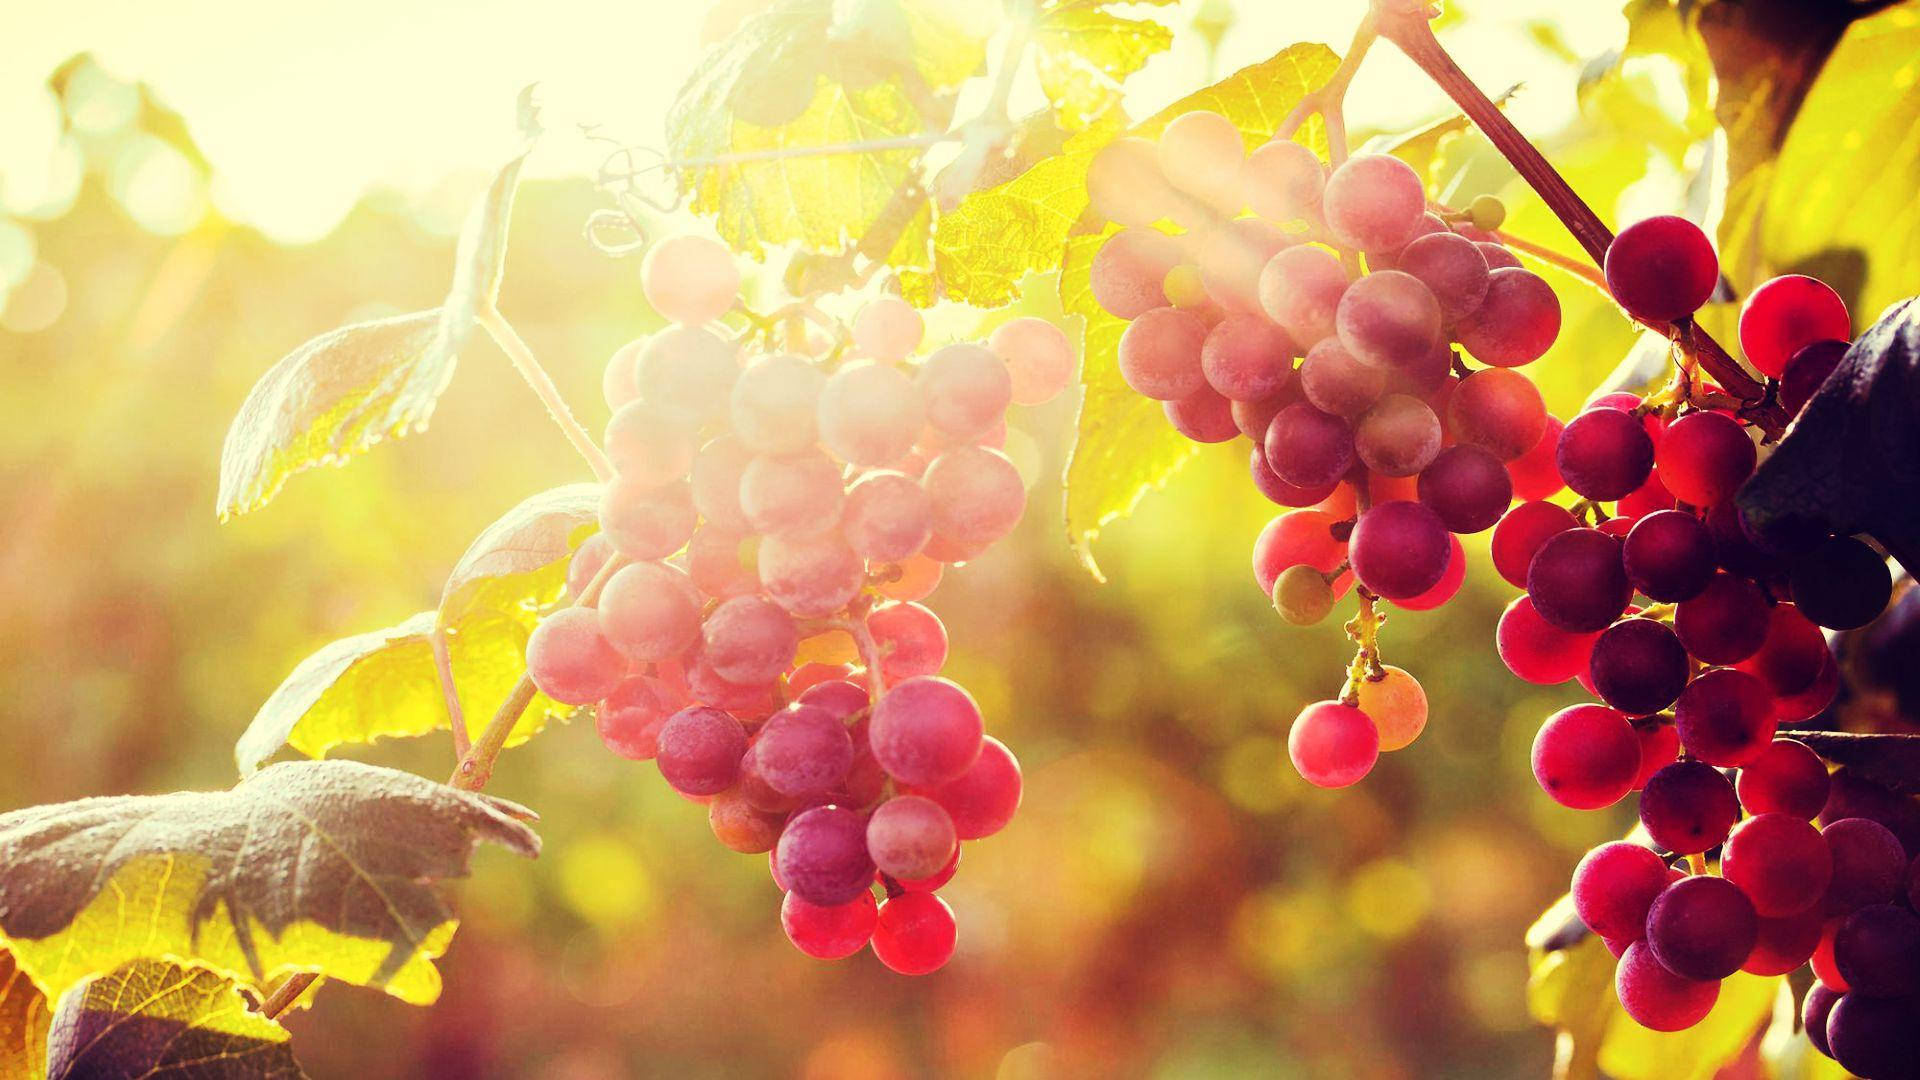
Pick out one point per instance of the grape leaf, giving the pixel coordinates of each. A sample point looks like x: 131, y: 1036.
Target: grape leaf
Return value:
x: 539, y: 534
x: 349, y: 389
x: 1851, y: 461
x: 1890, y: 761
x: 23, y: 1024
x: 1083, y: 53
x: 945, y: 43
x: 160, y: 1021
x: 315, y: 866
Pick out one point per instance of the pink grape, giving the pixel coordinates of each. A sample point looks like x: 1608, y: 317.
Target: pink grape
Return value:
x: 1247, y: 358
x: 937, y: 881
x: 1515, y: 324
x: 1499, y: 410
x: 1399, y: 549
x: 797, y: 496
x: 1787, y: 314
x: 925, y: 731
x: 887, y: 329
x: 739, y: 825
x: 803, y: 751
x: 812, y: 577
x: 869, y: 414
x: 1704, y: 457
x: 649, y: 445
x: 831, y: 932
x: 689, y: 371
x: 1332, y: 745
x: 976, y: 495
x: 1786, y: 777
x: 912, y: 640
x: 1497, y: 255
x: 1125, y: 183
x: 585, y: 565
x: 1300, y: 288
x: 717, y: 471
x: 1451, y: 267
x: 1537, y: 651
x: 646, y: 522
x: 1038, y: 356
x: 1792, y: 655
x: 1201, y: 153
x: 1160, y: 353
x: 1661, y: 269
x: 1520, y: 532
x: 1204, y: 417
x: 1780, y: 862
x: 749, y: 640
x: 1655, y: 997
x: 1373, y: 202
x: 822, y: 856
x: 1447, y: 587
x: 1296, y: 538
x: 1337, y: 383
x: 982, y: 799
x: 1308, y: 447
x: 721, y: 563
x: 1231, y: 259
x: 699, y: 750
x: 774, y: 404
x: 1388, y: 319
x: 1725, y: 717
x: 916, y: 933
x: 650, y: 611
x: 888, y: 517
x: 620, y: 380
x: 910, y: 836
x: 1129, y: 270
x: 571, y: 660
x: 629, y: 720
x: 690, y: 279
x: 1398, y: 436
x: 1577, y: 582
x: 1467, y: 487
x: 965, y: 388
x: 1613, y: 887
x: 1586, y: 757
x: 1784, y: 944
x: 1282, y: 181
x: 1725, y: 622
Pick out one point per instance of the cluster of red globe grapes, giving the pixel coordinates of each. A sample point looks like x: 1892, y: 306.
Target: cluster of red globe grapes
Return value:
x: 748, y: 615
x: 1252, y: 317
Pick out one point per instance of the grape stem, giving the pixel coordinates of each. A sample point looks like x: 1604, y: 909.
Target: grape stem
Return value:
x: 856, y: 626
x: 1405, y: 23
x: 471, y: 774
x: 503, y: 334
x: 443, y: 670
x: 1364, y: 629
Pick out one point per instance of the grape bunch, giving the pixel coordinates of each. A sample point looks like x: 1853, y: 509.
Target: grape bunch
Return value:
x: 1249, y: 315
x: 749, y: 615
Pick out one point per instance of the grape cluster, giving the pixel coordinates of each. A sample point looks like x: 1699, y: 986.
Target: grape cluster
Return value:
x: 1252, y: 317
x: 750, y: 615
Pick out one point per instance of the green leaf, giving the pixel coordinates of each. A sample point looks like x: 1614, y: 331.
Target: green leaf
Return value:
x: 347, y: 390
x: 160, y: 1021
x: 23, y: 1024
x: 515, y: 562
x: 1083, y: 55
x: 330, y: 867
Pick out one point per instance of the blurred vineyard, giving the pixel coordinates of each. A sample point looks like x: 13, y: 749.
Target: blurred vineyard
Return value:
x: 1171, y: 901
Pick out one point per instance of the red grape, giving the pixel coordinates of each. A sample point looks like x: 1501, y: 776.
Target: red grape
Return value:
x: 1687, y: 807
x: 976, y: 495
x: 1451, y: 267
x: 1520, y: 532
x: 925, y: 731
x: 1877, y: 950
x: 1784, y: 944
x: 629, y: 720
x: 1669, y: 556
x: 1586, y: 757
x: 1793, y: 654
x: 1638, y: 666
x: 1786, y: 778
x: 689, y: 372
x: 1726, y: 622
x: 1869, y: 865
x: 1613, y: 887
x: 1515, y: 324
x: 699, y: 750
x: 1296, y: 538
x: 1388, y: 319
x: 1874, y: 1036
x: 1398, y: 436
x: 1499, y: 410
x: 888, y: 517
x: 1704, y: 457
x: 1604, y: 454
x: 1038, y: 356
x: 1787, y: 314
x: 1780, y: 862
x: 1373, y: 202
x: 1307, y: 447
x: 649, y: 445
x: 1300, y: 288
x: 1655, y: 997
x: 1337, y: 383
x: 812, y: 578
x: 1661, y: 269
x: 1399, y: 549
x: 1332, y: 745
x: 966, y: 389
x: 982, y: 799
x: 911, y: 836
x: 1702, y: 927
x: 1203, y: 416
x: 1806, y: 371
x: 916, y: 933
x: 1725, y: 717
x: 1577, y: 582
x: 1468, y: 487
x: 1537, y: 651
x: 911, y: 638
x: 796, y: 496
x: 822, y: 856
x: 887, y: 328
x: 571, y: 660
x: 829, y: 932
x: 1231, y: 259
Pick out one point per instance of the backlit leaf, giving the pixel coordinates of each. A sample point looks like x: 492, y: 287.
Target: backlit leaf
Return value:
x: 1084, y: 54
x: 161, y: 1021
x: 539, y: 534
x: 23, y: 1024
x: 316, y: 866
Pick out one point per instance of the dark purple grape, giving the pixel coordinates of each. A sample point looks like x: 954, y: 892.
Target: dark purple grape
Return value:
x: 1877, y: 950
x: 1875, y: 1038
x: 1468, y: 487
x: 1638, y: 666
x: 699, y: 750
x: 1725, y: 717
x: 822, y: 856
x: 1869, y: 865
x: 1604, y: 454
x: 1399, y: 549
x: 1841, y: 584
x: 1813, y: 1015
x: 1669, y: 556
x: 1308, y: 447
x: 1735, y: 548
x: 1577, y: 582
x: 1702, y: 927
x: 1688, y: 807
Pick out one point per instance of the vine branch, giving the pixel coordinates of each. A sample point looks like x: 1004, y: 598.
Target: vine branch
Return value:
x: 504, y: 335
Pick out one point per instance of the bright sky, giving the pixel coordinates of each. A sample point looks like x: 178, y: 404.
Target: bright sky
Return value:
x: 302, y: 108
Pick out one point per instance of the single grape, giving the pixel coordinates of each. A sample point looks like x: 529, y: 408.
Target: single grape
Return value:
x: 1869, y: 865
x: 1468, y: 487
x: 1793, y: 654
x: 1780, y: 862
x: 1451, y: 267
x: 916, y: 933
x: 1786, y: 315
x: 1373, y: 202
x: 1332, y: 745
x: 1204, y: 417
x: 1515, y: 323
x: 1613, y: 887
x: 1447, y: 587
x: 1300, y: 288
x: 1231, y: 259
x: 699, y: 750
x: 1704, y: 457
x: 888, y: 329
x: 1399, y: 549
x: 813, y: 577
x: 1577, y: 582
x: 830, y: 932
x: 1307, y: 447
x: 1038, y: 357
x: 910, y: 836
x: 1874, y: 1037
x: 1877, y: 950
x: 1125, y: 184
x: 1282, y: 181
x: 650, y: 611
x: 774, y: 404
x: 1302, y: 595
x: 976, y: 495
x: 966, y: 389
x: 869, y: 414
x: 796, y: 496
x: 1388, y: 319
x: 1160, y: 353
x: 1337, y: 383
x: 1806, y: 371
x: 629, y: 720
x: 688, y: 371
x: 925, y: 731
x: 1784, y: 944
x: 1661, y: 269
x: 690, y: 279
x: 1659, y: 746
x: 1604, y: 454
x: 1129, y: 270
x: 1399, y: 436
x: 911, y: 638
x: 740, y: 826
x: 1638, y: 666
x: 749, y: 640
x: 650, y: 445
x: 1586, y: 757
x: 1520, y: 532
x: 1669, y: 556
x: 1201, y: 153
x: 571, y: 661
x: 1842, y: 584
x: 1396, y: 704
x: 1253, y: 418
x: 1814, y: 1010
x: 983, y: 798
x: 1688, y: 806
x: 887, y: 517
x: 1498, y: 410
x: 822, y: 856
x: 1298, y: 538
x: 1785, y: 778
x: 1537, y: 651
x: 1725, y: 717
x: 1247, y: 358
x: 1726, y: 622
x: 1655, y: 997
x: 1497, y: 255
x: 1702, y: 927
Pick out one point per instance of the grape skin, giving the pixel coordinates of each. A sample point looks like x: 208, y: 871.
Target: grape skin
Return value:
x: 925, y: 731
x: 571, y: 660
x: 1787, y: 314
x: 1332, y: 745
x: 1373, y: 202
x: 1661, y: 269
x: 1452, y: 268
x: 1160, y: 354
x: 1129, y: 270
x: 690, y: 279
x: 1038, y: 356
x: 1499, y: 410
x: 1388, y: 318
x: 1399, y: 436
x: 774, y: 404
x: 1283, y: 180
x: 1300, y: 288
x: 1247, y: 358
x: 1515, y: 323
x: 1586, y: 757
x: 1399, y: 549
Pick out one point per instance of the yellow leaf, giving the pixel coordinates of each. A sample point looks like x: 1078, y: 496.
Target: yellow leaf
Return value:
x: 23, y: 1024
x: 155, y: 1019
x: 1084, y: 54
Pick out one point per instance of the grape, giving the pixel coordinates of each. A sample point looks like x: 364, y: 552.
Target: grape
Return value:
x: 1451, y: 267
x: 1307, y: 447
x: 749, y: 640
x: 1429, y: 224
x: 831, y: 932
x: 699, y: 750
x: 1874, y: 1037
x: 1638, y: 666
x: 934, y: 883
x: 1515, y: 324
x: 721, y: 564
x: 687, y: 371
x: 1201, y: 153
x: 822, y: 856
x: 1399, y: 436
x: 774, y: 404
x: 1688, y: 806
x: 1877, y: 950
x: 1185, y: 289
x: 1038, y: 357
x: 796, y: 497
x: 1449, y: 584
x: 1125, y: 184
x: 1302, y: 595
x: 1586, y: 757
x: 1793, y: 654
x: 916, y: 933
x: 1388, y: 318
x: 740, y: 826
x: 629, y: 720
x: 690, y: 279
x: 1812, y: 701
x: 917, y: 577
x: 1669, y: 556
x: 571, y: 661
x: 910, y: 836
x: 976, y: 495
x: 1520, y: 532
x: 887, y: 517
x: 1784, y: 944
x: 1806, y: 371
x: 1332, y: 745
x: 717, y: 471
x: 1659, y: 746
x: 1373, y: 202
x: 966, y: 389
x: 1725, y: 717
x: 1536, y: 651
x: 1814, y: 1011
x: 1282, y: 181
x: 925, y: 731
x: 1780, y: 862
x: 802, y: 751
x: 1396, y: 704
x: 982, y: 799
x: 1231, y: 259
x: 1650, y: 497
x: 869, y: 414
x: 1577, y: 581
x: 812, y: 578
x: 1247, y: 358
x: 1399, y: 549
x: 1656, y: 998
x: 1337, y: 383
x: 1726, y: 622
x: 1129, y: 269
x: 1300, y: 288
x: 1613, y: 887
x: 1869, y: 865
x: 1296, y: 538
x: 1704, y: 457
x: 1160, y: 354
x: 619, y: 381
x: 1468, y: 487
x: 1604, y: 454
x: 1785, y: 778
x: 1661, y: 269
x: 649, y: 611
x: 1204, y: 417
x: 1702, y: 927
x: 1787, y: 314
x: 1734, y: 546
x: 1253, y: 418
x: 649, y: 445
x: 1842, y: 584
x: 1497, y: 256
x: 840, y: 697
x: 911, y: 638
x: 887, y: 329
x: 585, y: 565
x: 1498, y: 410
x: 646, y: 522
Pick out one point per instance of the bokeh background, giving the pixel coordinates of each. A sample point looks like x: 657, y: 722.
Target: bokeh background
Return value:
x: 183, y: 200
